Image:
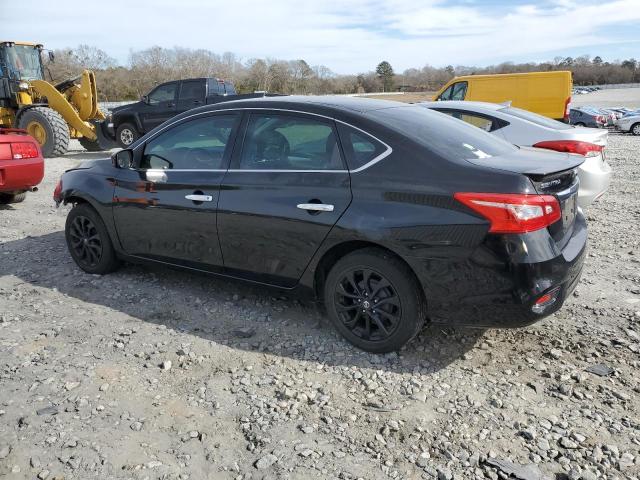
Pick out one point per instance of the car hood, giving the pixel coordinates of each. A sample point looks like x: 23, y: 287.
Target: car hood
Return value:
x: 124, y: 108
x: 531, y: 161
x: 97, y: 163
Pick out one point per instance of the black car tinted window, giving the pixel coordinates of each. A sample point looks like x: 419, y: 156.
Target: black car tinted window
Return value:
x: 163, y: 93
x: 287, y: 142
x: 193, y: 145
x: 359, y: 148
x: 442, y: 134
x: 192, y: 90
x: 483, y: 122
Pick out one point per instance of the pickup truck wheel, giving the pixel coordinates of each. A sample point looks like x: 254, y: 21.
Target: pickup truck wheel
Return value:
x: 48, y: 128
x: 635, y: 129
x: 6, y: 198
x: 89, y: 242
x: 126, y: 134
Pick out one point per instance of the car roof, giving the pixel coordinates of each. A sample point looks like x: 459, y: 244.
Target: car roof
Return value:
x: 465, y: 105
x: 334, y: 106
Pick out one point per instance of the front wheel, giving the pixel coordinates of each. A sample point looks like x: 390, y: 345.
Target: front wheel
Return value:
x: 126, y: 134
x: 374, y: 300
x: 88, y: 241
x: 635, y: 129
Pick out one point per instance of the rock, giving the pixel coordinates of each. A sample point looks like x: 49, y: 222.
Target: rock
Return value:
x: 244, y: 332
x: 600, y: 369
x: 566, y: 442
x: 104, y: 387
x: 35, y: 462
x: 43, y: 474
x: 71, y: 385
x: 555, y: 353
x: 5, y: 450
x: 50, y: 410
x: 266, y: 461
x: 521, y: 472
x: 166, y: 365
x: 588, y: 475
x: 626, y: 461
x: 136, y: 426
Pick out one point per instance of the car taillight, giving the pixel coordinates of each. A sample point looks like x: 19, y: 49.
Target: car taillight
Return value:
x: 572, y: 146
x: 21, y: 150
x: 567, y: 109
x: 513, y: 212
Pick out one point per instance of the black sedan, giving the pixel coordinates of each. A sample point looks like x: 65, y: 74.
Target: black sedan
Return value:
x: 391, y: 214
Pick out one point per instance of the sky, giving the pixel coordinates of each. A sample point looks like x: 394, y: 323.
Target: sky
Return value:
x: 346, y: 36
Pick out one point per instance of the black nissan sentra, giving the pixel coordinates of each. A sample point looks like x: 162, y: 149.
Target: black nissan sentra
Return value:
x: 391, y: 214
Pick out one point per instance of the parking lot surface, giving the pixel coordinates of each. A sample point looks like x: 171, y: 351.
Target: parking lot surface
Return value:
x: 153, y: 373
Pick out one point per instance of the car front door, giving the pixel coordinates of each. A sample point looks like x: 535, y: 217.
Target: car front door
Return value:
x: 286, y: 188
x: 160, y: 106
x: 165, y: 207
x: 192, y: 94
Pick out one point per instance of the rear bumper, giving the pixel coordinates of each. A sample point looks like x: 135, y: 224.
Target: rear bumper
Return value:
x: 502, y: 280
x: 595, y: 176
x: 19, y: 175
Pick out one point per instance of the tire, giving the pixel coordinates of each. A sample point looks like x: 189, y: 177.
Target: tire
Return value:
x: 635, y: 129
x: 126, y: 134
x: 579, y: 124
x: 48, y: 127
x: 88, y: 241
x: 6, y: 198
x: 361, y: 279
x: 90, y: 145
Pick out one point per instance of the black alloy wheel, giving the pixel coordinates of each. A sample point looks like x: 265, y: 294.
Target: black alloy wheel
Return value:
x: 85, y: 241
x: 374, y: 300
x: 368, y: 304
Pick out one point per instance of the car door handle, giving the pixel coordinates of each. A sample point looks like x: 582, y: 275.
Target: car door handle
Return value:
x: 199, y: 198
x: 316, y: 207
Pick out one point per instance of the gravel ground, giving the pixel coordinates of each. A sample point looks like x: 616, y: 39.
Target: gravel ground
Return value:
x: 151, y: 373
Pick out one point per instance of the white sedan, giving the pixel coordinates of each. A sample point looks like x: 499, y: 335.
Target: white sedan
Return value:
x: 629, y: 123
x: 528, y: 129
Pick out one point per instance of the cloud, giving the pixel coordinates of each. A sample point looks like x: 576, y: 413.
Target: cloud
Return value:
x: 345, y: 36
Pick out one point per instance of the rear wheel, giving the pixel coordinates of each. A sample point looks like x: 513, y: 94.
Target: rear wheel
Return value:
x: 6, y: 198
x: 48, y: 128
x: 88, y: 241
x: 374, y: 300
x: 579, y: 124
x: 635, y: 129
x: 126, y: 134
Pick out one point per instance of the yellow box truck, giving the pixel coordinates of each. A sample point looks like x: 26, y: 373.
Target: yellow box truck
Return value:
x: 546, y: 93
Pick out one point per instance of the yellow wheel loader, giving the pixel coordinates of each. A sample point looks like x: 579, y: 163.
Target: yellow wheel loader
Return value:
x: 52, y: 114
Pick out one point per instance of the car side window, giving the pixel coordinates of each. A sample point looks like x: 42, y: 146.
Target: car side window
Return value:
x: 446, y: 95
x: 485, y: 123
x: 359, y: 147
x: 289, y: 142
x: 163, y: 93
x: 199, y: 144
x: 192, y: 90
x: 459, y: 91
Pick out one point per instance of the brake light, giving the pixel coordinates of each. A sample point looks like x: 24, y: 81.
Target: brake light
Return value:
x: 572, y: 146
x: 20, y: 150
x: 567, y: 109
x: 513, y: 212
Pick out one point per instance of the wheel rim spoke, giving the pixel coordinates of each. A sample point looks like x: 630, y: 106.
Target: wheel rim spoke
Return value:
x: 84, y: 240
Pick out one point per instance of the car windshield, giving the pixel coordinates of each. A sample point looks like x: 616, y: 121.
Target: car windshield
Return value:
x: 23, y: 62
x: 535, y: 118
x: 446, y: 136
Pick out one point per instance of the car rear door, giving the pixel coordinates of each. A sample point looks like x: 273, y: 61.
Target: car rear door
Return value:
x: 165, y: 208
x: 286, y: 188
x: 192, y: 95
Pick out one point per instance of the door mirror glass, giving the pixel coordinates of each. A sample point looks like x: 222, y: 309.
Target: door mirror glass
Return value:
x: 123, y: 159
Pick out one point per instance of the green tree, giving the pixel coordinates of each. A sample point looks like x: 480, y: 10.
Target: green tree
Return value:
x: 384, y: 71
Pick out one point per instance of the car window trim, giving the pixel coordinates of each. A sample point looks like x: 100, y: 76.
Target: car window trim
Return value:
x: 372, y: 162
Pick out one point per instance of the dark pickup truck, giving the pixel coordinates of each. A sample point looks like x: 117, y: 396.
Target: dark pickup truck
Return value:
x: 130, y: 122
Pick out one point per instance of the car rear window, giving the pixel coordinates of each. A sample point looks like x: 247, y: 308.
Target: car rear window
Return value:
x: 446, y: 136
x: 535, y: 118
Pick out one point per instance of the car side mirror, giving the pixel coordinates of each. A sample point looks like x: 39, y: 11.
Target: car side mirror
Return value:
x: 145, y: 99
x: 122, y: 159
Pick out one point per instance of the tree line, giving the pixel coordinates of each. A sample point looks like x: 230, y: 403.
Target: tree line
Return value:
x: 149, y: 67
